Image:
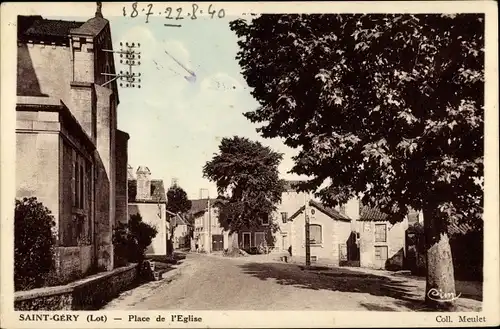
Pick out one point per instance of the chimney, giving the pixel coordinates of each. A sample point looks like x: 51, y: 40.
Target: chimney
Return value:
x: 352, y: 208
x: 98, y: 12
x: 202, y: 190
x: 143, y: 183
x: 130, y: 173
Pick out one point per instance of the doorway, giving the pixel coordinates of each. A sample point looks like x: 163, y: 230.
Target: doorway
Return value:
x: 247, y: 240
x: 381, y: 256
x: 284, y: 242
x: 217, y: 242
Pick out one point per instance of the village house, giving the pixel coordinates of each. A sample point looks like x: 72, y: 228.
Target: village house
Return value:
x: 181, y: 232
x: 70, y: 154
x: 382, y: 245
x: 146, y: 197
x: 329, y: 228
x: 208, y: 235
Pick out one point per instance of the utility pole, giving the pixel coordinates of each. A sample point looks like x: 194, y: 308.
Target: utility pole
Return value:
x: 209, y: 231
x: 131, y: 58
x: 209, y: 225
x: 308, y: 244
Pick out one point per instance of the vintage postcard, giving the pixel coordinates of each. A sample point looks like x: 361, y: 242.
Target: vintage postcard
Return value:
x: 249, y: 164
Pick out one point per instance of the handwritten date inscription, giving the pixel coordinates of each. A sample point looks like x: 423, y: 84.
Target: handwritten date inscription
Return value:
x: 193, y: 12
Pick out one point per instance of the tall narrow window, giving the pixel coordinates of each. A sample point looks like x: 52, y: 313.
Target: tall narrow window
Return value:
x: 315, y: 234
x: 284, y: 217
x: 77, y: 185
x: 380, y: 232
x: 82, y: 187
x: 260, y: 239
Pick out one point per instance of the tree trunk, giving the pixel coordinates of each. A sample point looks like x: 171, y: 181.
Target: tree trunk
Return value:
x: 440, y: 283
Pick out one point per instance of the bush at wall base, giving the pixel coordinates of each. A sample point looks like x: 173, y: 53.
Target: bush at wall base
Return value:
x: 34, y: 241
x: 132, y: 239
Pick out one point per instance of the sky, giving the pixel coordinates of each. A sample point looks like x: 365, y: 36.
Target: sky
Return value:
x: 175, y: 125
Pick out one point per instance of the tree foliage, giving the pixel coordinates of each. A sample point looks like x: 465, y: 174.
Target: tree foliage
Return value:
x: 246, y: 174
x: 132, y: 239
x: 177, y: 200
x: 34, y: 241
x: 389, y: 107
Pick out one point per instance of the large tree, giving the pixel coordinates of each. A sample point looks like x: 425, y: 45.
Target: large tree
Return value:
x: 385, y: 107
x: 247, y: 178
x: 177, y: 200
x: 179, y: 204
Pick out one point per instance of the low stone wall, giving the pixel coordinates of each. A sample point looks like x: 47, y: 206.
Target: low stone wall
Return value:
x: 89, y: 293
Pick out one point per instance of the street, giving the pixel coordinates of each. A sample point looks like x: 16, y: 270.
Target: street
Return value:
x: 206, y: 282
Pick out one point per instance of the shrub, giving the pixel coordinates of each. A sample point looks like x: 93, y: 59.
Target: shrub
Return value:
x: 132, y: 239
x: 34, y: 241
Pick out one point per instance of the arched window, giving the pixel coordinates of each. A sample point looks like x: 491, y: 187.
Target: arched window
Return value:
x: 315, y: 234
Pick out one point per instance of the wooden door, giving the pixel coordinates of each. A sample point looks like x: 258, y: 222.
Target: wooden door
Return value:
x: 217, y: 242
x: 381, y: 255
x: 246, y: 240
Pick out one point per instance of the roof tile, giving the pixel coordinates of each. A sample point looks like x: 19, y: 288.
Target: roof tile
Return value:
x: 157, y: 192
x: 332, y: 213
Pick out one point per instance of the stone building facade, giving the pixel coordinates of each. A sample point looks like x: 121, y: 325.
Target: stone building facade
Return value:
x: 70, y: 154
x: 382, y: 245
x: 329, y: 229
x: 147, y: 198
x: 208, y: 234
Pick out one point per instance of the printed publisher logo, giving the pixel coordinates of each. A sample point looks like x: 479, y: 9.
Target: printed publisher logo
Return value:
x: 441, y: 296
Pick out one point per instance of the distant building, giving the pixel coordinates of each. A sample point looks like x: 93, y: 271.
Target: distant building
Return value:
x: 182, y: 232
x: 208, y: 235
x: 70, y: 154
x: 147, y: 198
x: 130, y: 172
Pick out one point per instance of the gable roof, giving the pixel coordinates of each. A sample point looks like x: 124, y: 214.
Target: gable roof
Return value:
x: 291, y: 185
x: 371, y: 214
x: 374, y: 214
x: 180, y: 220
x: 92, y: 27
x: 157, y: 192
x: 201, y: 205
x: 37, y: 27
x: 330, y: 212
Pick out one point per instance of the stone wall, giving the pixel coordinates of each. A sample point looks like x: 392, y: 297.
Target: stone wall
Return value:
x: 121, y: 177
x: 37, y: 169
x: 73, y: 262
x: 44, y: 70
x: 105, y: 180
x: 90, y: 293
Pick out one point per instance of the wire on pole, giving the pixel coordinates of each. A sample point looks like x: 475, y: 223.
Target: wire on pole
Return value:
x: 129, y: 56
